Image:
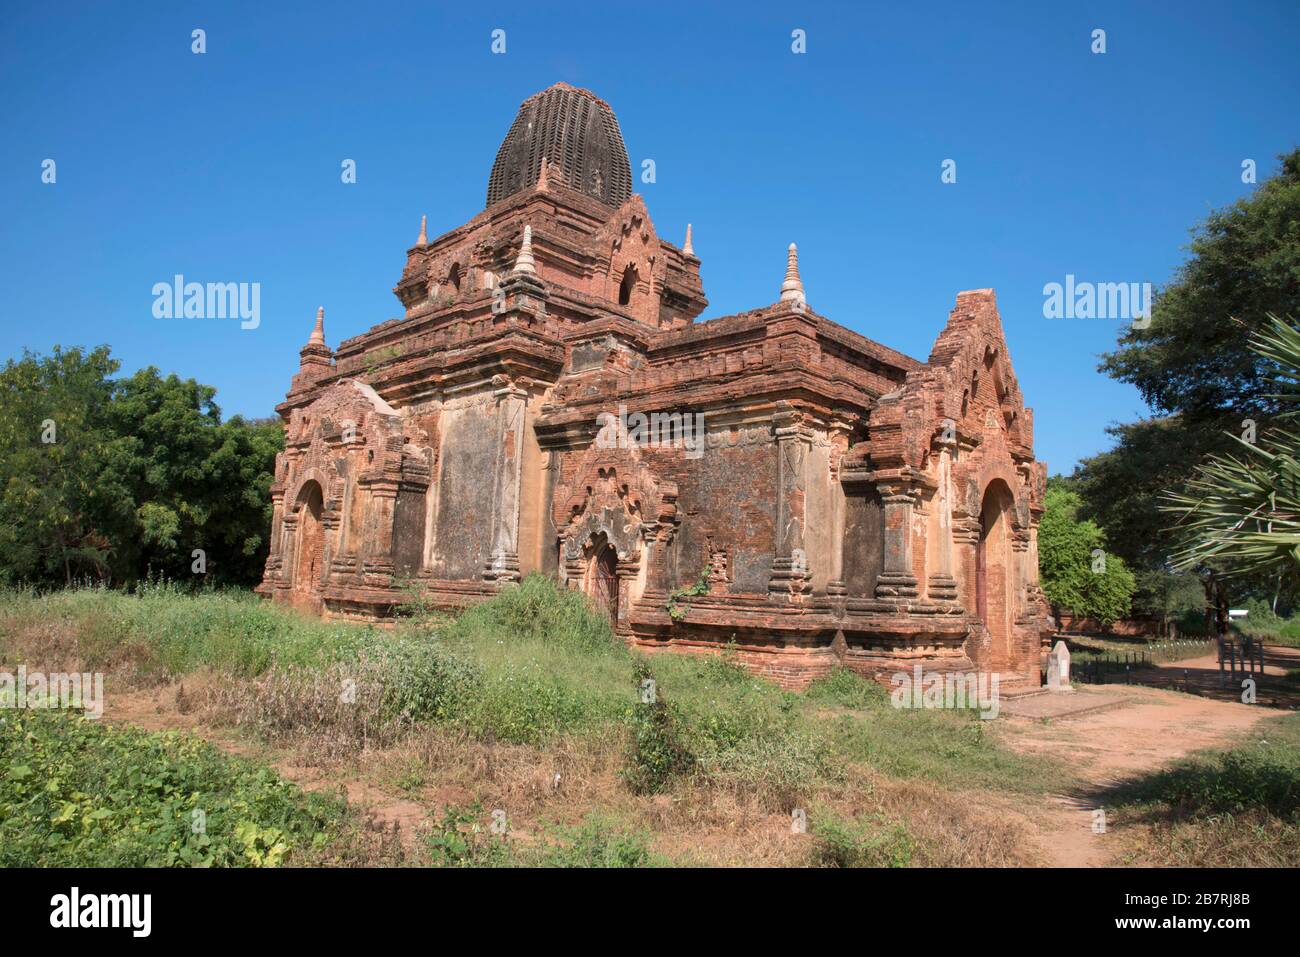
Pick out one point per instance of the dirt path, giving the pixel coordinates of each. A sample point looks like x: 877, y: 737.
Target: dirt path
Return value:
x: 1150, y: 730
x: 1201, y: 676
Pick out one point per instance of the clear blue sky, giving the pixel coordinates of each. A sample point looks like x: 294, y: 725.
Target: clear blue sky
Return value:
x: 226, y: 166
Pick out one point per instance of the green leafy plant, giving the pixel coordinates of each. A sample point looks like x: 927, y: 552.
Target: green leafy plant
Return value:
x: 870, y: 841
x: 461, y: 838
x: 701, y: 587
x: 78, y: 793
x: 656, y: 754
x: 598, y: 841
x: 1240, y: 513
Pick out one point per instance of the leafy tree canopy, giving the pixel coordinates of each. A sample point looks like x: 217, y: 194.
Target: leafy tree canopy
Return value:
x: 113, y: 477
x: 1240, y: 512
x: 1194, y: 366
x: 1194, y: 358
x: 1075, y: 572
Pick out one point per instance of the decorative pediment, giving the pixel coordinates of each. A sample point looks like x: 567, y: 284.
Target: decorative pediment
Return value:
x: 616, y: 493
x: 974, y: 383
x: 349, y: 422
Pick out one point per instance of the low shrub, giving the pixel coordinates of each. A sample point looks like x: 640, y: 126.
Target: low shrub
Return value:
x: 598, y: 841
x: 861, y: 842
x: 464, y: 836
x: 368, y: 700
x: 78, y: 793
x: 528, y: 703
x: 460, y: 838
x: 537, y: 611
x: 843, y: 688
x: 656, y: 755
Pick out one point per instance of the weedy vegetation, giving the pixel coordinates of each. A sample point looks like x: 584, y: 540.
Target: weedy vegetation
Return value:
x: 526, y: 702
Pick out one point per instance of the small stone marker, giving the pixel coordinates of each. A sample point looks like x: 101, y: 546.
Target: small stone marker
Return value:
x: 1058, y: 668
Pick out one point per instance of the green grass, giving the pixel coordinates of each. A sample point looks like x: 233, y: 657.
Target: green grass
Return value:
x: 534, y: 667
x: 463, y: 838
x: 162, y: 632
x: 530, y: 666
x: 599, y: 841
x: 863, y: 841
x: 1260, y: 774
x: 1238, y: 807
x: 77, y: 793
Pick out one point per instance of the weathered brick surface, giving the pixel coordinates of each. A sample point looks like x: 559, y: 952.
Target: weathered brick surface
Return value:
x: 846, y: 504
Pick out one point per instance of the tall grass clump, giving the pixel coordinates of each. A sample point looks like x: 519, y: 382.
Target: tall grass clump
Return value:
x: 868, y: 841
x: 599, y: 841
x: 535, y: 612
x: 843, y: 688
x: 463, y: 837
x: 551, y: 664
x: 744, y: 734
x: 162, y: 632
x: 371, y: 697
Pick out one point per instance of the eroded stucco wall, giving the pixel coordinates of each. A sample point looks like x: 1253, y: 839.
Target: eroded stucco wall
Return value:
x: 466, y: 467
x: 728, y: 497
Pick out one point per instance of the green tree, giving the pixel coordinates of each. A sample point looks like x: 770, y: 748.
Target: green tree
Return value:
x: 1169, y: 596
x: 199, y: 483
x: 1121, y: 488
x: 1193, y: 364
x: 1075, y: 572
x: 113, y: 477
x: 64, y: 501
x: 1240, y: 512
x: 1194, y: 358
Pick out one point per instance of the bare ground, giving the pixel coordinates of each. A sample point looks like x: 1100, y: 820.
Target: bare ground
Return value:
x: 1149, y: 731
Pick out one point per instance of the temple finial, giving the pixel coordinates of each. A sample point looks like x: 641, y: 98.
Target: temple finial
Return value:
x: 424, y: 233
x: 525, y: 264
x: 318, y: 333
x: 792, y: 288
x: 542, y: 181
x: 688, y: 248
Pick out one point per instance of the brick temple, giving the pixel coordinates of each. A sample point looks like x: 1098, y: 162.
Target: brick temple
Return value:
x: 769, y: 480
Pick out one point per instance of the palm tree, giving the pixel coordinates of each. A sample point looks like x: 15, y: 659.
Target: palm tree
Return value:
x: 1240, y: 513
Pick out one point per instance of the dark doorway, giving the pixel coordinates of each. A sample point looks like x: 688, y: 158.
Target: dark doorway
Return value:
x: 603, y: 580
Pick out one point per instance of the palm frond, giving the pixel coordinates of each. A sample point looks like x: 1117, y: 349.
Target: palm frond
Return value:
x: 1240, y: 513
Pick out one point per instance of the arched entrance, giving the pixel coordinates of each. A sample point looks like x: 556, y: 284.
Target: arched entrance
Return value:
x: 993, y: 571
x: 311, y: 539
x: 602, y: 577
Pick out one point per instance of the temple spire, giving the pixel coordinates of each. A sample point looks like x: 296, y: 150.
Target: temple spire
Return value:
x: 792, y: 288
x: 318, y: 333
x: 423, y: 240
x: 525, y: 264
x: 542, y: 183
x: 688, y: 248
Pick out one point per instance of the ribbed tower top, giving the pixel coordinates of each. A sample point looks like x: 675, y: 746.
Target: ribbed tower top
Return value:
x: 573, y: 129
